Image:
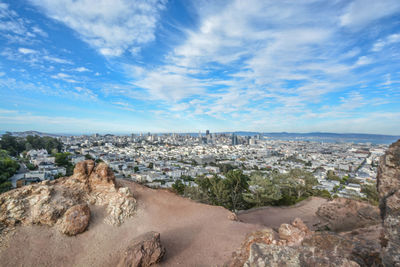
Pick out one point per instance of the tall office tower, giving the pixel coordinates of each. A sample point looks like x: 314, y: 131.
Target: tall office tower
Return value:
x: 207, y: 132
x: 234, y: 139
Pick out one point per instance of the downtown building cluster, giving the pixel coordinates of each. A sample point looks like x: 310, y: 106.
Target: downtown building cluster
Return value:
x: 158, y: 160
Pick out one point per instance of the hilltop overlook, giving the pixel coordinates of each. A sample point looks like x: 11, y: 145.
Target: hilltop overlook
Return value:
x: 174, y: 230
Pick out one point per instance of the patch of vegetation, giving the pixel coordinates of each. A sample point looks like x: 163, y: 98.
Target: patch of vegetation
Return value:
x: 63, y: 160
x: 372, y: 195
x: 239, y: 191
x: 15, y: 145
x: 8, y: 167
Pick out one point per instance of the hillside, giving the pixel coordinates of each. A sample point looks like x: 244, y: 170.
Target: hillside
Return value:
x: 91, y: 219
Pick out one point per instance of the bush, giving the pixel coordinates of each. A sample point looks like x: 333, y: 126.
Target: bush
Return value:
x: 178, y: 187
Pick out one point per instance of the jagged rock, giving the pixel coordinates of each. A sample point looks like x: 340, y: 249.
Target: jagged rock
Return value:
x: 265, y: 236
x: 294, y: 233
x: 45, y: 203
x: 76, y: 219
x: 296, y: 245
x: 388, y: 185
x: 145, y: 250
x: 232, y: 216
x: 342, y: 214
x: 277, y: 256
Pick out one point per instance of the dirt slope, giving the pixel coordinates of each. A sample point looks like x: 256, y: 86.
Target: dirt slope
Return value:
x: 193, y: 234
x: 274, y: 216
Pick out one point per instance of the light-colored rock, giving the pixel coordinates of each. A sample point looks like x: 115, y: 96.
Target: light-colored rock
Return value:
x: 46, y: 203
x: 294, y: 233
x: 343, y: 214
x: 232, y: 216
x: 280, y: 256
x: 388, y: 185
x: 144, y: 250
x: 75, y: 220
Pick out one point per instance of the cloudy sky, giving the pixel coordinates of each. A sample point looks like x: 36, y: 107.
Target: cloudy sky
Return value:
x: 120, y: 66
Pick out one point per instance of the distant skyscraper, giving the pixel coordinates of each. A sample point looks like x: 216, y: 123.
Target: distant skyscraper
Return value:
x: 234, y: 139
x: 207, y: 132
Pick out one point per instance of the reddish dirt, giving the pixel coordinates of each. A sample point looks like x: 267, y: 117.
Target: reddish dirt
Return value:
x: 274, y: 216
x: 194, y: 234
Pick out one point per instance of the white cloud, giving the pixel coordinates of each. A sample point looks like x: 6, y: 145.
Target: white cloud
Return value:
x: 112, y: 27
x: 17, y: 29
x: 363, y: 60
x: 26, y: 51
x: 81, y: 69
x: 57, y: 59
x: 360, y: 13
x: 64, y: 77
x: 39, y: 31
x: 85, y: 92
x: 391, y: 39
x: 170, y: 86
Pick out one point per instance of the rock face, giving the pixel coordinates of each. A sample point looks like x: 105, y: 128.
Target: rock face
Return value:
x: 277, y: 256
x: 289, y: 235
x: 46, y: 203
x: 388, y: 184
x: 145, y: 250
x: 75, y: 219
x: 342, y: 214
x: 296, y: 245
x: 294, y: 233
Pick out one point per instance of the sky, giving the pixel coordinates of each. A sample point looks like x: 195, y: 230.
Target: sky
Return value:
x: 127, y: 66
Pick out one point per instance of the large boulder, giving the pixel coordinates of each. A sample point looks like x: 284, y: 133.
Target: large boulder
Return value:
x: 76, y: 219
x: 45, y: 203
x: 144, y: 250
x: 388, y: 185
x: 277, y: 256
x: 294, y: 233
x: 343, y: 214
x: 296, y: 245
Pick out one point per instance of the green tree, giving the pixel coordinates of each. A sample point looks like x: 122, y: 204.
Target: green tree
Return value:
x: 178, y: 187
x: 237, y: 184
x: 8, y: 167
x: 330, y: 175
x: 136, y: 169
x: 371, y: 192
x: 9, y: 143
x: 262, y: 191
x: 62, y: 159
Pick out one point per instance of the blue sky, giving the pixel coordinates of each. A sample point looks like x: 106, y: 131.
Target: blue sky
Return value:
x: 121, y: 66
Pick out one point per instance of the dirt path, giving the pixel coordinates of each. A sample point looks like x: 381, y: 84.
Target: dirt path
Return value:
x: 274, y: 216
x: 194, y: 235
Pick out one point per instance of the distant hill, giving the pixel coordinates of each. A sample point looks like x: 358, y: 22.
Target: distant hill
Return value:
x: 26, y: 133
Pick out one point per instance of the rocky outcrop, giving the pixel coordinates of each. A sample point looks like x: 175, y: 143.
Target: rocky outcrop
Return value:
x: 45, y: 203
x: 144, y: 250
x: 343, y: 214
x: 294, y: 233
x: 76, y: 219
x: 277, y: 256
x: 289, y: 235
x: 296, y: 245
x: 388, y: 185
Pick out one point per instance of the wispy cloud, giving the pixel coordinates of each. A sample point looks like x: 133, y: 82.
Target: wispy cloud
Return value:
x: 360, y: 13
x: 112, y: 27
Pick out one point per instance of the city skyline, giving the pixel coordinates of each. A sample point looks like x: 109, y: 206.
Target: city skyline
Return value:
x: 177, y: 66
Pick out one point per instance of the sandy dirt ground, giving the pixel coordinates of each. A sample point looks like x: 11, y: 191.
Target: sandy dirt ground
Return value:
x: 274, y: 216
x: 194, y: 234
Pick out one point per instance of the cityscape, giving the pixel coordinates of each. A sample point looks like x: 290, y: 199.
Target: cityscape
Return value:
x: 159, y: 160
x: 235, y: 133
